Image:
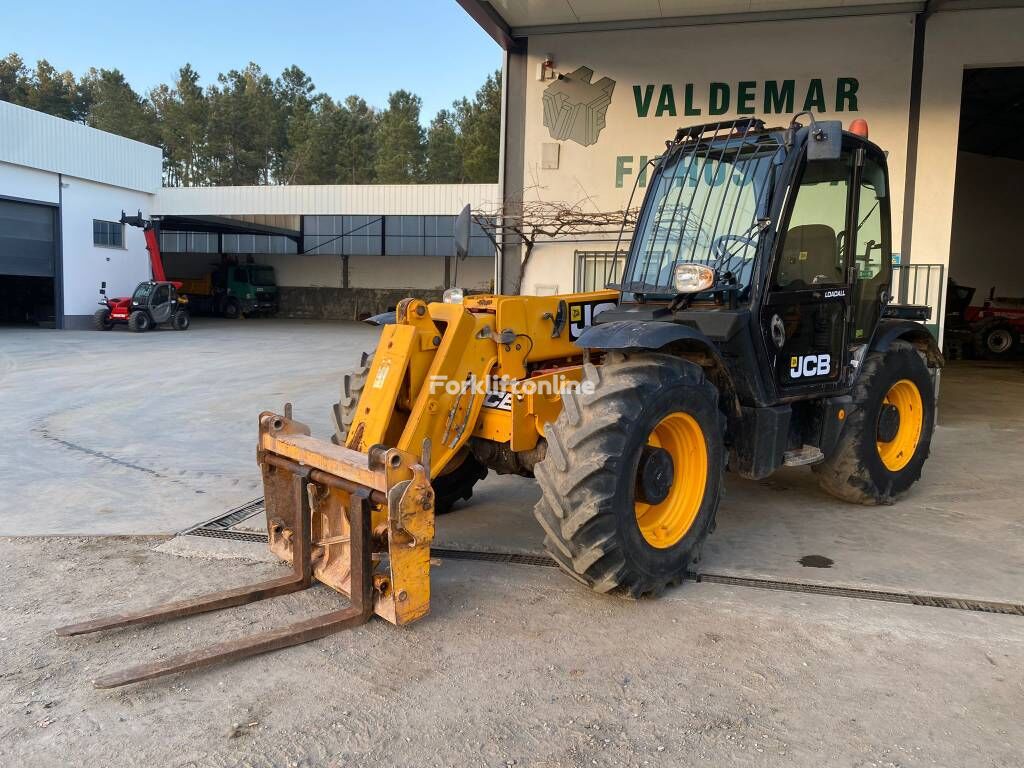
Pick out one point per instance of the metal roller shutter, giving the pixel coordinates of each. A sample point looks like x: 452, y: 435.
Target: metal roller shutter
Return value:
x: 27, y: 244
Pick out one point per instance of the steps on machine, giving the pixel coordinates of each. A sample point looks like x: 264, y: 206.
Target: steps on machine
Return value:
x: 809, y: 454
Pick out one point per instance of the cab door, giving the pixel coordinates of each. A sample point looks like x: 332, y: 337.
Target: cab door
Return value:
x: 163, y: 302
x: 806, y: 315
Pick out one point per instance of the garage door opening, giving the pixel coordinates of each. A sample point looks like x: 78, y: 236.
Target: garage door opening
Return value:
x: 985, y: 304
x: 28, y: 263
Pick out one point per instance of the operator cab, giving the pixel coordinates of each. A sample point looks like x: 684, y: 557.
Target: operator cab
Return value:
x: 774, y: 243
x: 159, y: 299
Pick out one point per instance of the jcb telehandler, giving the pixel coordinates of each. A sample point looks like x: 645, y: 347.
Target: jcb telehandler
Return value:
x: 752, y: 328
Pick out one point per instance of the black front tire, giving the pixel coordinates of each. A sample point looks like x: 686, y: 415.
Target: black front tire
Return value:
x: 855, y: 471
x: 455, y: 485
x: 588, y: 476
x: 181, y: 321
x: 139, y: 321
x: 232, y: 309
x: 101, y: 320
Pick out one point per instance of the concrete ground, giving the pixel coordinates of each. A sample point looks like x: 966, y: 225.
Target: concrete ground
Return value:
x: 138, y: 435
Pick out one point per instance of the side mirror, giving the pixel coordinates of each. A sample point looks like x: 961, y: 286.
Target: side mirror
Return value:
x: 825, y: 140
x: 462, y: 226
x: 103, y: 288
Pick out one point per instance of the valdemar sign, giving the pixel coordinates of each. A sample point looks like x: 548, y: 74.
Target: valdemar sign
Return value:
x: 747, y: 97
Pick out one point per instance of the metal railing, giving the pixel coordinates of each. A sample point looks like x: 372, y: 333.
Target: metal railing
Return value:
x: 921, y: 284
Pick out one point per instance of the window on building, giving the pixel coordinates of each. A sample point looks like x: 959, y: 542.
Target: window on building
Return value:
x: 109, y: 234
x: 596, y: 269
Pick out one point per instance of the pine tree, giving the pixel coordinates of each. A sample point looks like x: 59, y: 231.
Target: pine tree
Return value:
x: 444, y: 155
x: 115, y: 107
x: 479, y: 131
x: 357, y: 149
x: 14, y: 80
x: 183, y: 116
x: 55, y: 93
x: 400, y: 140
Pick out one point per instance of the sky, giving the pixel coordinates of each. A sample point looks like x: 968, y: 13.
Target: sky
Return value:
x: 366, y: 47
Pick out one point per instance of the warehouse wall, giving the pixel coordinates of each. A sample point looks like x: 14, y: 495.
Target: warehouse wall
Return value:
x: 955, y: 41
x: 28, y: 183
x: 412, y: 272
x: 87, y: 265
x: 870, y: 55
x: 985, y: 246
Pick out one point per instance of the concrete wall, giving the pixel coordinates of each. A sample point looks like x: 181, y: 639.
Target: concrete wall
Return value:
x: 28, y: 183
x: 86, y: 265
x: 985, y: 246
x: 875, y: 51
x: 311, y: 284
x: 377, y: 272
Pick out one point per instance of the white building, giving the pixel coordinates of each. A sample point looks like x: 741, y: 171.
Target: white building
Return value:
x: 339, y: 251
x: 594, y: 88
x: 62, y: 189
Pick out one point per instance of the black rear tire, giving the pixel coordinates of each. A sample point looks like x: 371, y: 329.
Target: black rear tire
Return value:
x: 589, y: 474
x: 139, y: 321
x: 997, y: 339
x: 855, y: 471
x: 232, y: 309
x: 455, y: 485
x: 101, y: 320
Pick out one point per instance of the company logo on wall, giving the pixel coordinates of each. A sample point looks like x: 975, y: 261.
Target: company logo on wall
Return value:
x: 575, y: 108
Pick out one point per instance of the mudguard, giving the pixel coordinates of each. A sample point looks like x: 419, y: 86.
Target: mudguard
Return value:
x: 645, y: 334
x: 890, y: 330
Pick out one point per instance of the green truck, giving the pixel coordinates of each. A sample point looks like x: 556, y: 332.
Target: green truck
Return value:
x: 233, y: 290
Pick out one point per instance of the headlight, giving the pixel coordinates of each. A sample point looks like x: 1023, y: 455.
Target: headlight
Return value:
x: 693, y: 278
x: 453, y: 296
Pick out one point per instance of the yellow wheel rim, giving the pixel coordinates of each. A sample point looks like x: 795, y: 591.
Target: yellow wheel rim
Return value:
x: 906, y: 398
x: 665, y: 523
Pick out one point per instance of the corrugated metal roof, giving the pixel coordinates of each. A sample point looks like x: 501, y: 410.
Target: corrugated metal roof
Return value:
x: 354, y: 199
x: 37, y: 140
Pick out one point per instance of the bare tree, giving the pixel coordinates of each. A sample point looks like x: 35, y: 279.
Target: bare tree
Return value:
x: 534, y: 221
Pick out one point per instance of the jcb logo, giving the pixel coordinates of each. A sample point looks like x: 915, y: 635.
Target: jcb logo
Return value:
x: 581, y: 316
x: 809, y: 365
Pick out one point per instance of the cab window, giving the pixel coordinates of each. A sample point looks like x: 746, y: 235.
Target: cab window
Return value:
x: 813, y: 247
x: 872, y: 251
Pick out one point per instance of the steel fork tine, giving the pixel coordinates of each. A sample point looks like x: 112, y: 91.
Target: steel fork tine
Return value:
x: 294, y: 634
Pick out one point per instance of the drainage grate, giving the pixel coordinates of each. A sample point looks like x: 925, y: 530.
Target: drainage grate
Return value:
x: 493, y: 557
x: 232, y: 517
x: 220, y: 533
x: 906, y: 598
x: 217, y: 528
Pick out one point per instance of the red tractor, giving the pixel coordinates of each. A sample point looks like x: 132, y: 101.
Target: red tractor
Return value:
x: 153, y: 303
x: 993, y: 330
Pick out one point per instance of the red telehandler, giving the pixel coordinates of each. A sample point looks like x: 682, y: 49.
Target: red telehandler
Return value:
x: 154, y: 301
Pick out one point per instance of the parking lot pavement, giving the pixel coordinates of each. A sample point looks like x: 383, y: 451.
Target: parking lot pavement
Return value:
x: 124, y: 434
x: 120, y: 433
x: 516, y: 665
x: 146, y: 433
